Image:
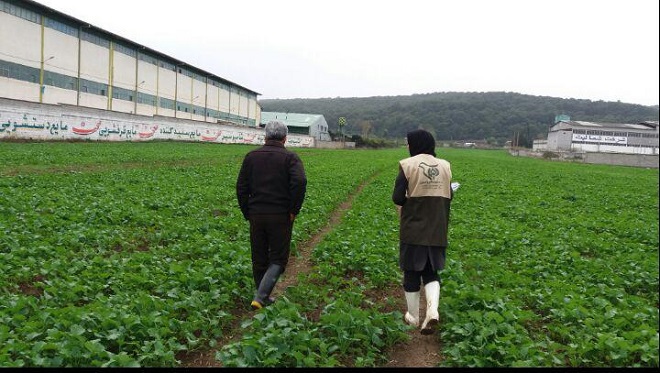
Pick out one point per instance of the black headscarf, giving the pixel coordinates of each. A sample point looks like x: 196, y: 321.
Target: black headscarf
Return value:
x: 420, y: 142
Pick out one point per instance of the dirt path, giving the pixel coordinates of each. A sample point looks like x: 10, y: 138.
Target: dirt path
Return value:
x: 420, y: 351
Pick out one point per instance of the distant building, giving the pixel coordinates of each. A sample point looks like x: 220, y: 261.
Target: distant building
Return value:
x: 590, y: 137
x: 304, y: 124
x: 49, y: 57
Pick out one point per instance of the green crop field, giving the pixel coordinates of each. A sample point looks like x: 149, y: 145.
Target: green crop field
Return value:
x: 130, y: 254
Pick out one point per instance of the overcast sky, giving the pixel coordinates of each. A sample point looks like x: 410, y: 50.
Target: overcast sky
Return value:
x: 584, y: 49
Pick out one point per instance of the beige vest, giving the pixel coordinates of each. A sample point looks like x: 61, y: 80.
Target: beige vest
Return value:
x: 427, y: 176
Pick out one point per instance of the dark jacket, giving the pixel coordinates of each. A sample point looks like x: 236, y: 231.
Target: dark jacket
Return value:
x: 423, y: 189
x: 271, y: 181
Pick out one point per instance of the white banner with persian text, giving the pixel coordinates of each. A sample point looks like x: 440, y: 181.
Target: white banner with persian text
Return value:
x: 54, y: 122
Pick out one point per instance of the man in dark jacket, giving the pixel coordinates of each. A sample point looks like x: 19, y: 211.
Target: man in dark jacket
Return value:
x: 270, y: 189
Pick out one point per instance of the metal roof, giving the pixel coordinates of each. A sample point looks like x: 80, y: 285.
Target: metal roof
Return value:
x: 291, y: 119
x: 640, y: 126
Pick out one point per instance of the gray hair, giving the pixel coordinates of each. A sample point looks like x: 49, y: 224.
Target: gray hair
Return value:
x: 276, y: 130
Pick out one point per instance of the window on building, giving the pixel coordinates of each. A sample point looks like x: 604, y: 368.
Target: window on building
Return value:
x: 19, y: 11
x: 167, y: 65
x: 166, y: 103
x: 122, y: 94
x: 125, y: 50
x: 144, y: 98
x: 148, y: 58
x: 62, y: 27
x: 95, y: 38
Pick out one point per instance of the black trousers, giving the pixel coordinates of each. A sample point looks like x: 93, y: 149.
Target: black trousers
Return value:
x: 270, y: 241
x: 411, y: 279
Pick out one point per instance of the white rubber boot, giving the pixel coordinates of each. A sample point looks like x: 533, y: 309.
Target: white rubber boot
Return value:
x: 432, y: 293
x: 412, y: 316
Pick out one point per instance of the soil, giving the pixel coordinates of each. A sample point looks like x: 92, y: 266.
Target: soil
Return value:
x: 419, y: 351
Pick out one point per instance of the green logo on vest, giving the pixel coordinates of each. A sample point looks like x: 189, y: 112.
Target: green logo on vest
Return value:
x: 430, y: 171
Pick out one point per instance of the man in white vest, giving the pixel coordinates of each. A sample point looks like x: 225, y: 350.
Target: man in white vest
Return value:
x: 422, y: 193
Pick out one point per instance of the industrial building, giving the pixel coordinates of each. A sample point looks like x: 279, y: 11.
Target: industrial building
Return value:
x: 48, y: 57
x: 589, y: 137
x: 313, y: 125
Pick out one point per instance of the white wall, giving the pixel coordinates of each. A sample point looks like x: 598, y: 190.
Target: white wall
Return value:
x: 21, y: 120
x: 20, y: 40
x: 243, y: 106
x: 198, y: 99
x: 224, y: 100
x: 94, y: 62
x: 166, y: 88
x: 147, y: 73
x: 19, y: 90
x: 184, y: 95
x: 253, y: 111
x: 123, y: 106
x: 57, y: 95
x: 318, y: 129
x: 123, y: 74
x: 257, y: 114
x: 63, y: 49
x: 234, y: 102
x: 24, y: 50
x: 212, y: 100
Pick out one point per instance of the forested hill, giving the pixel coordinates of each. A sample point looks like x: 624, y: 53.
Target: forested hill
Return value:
x: 460, y: 116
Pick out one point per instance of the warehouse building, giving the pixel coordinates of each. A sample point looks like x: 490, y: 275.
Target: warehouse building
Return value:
x: 590, y: 137
x: 313, y: 125
x: 48, y: 57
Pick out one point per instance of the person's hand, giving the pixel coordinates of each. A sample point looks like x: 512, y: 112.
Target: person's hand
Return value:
x: 292, y: 217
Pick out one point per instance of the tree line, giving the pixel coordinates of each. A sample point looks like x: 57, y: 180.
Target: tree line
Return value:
x: 494, y: 117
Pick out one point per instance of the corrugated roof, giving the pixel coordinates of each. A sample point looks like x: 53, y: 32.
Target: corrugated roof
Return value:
x: 576, y: 123
x: 291, y: 119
